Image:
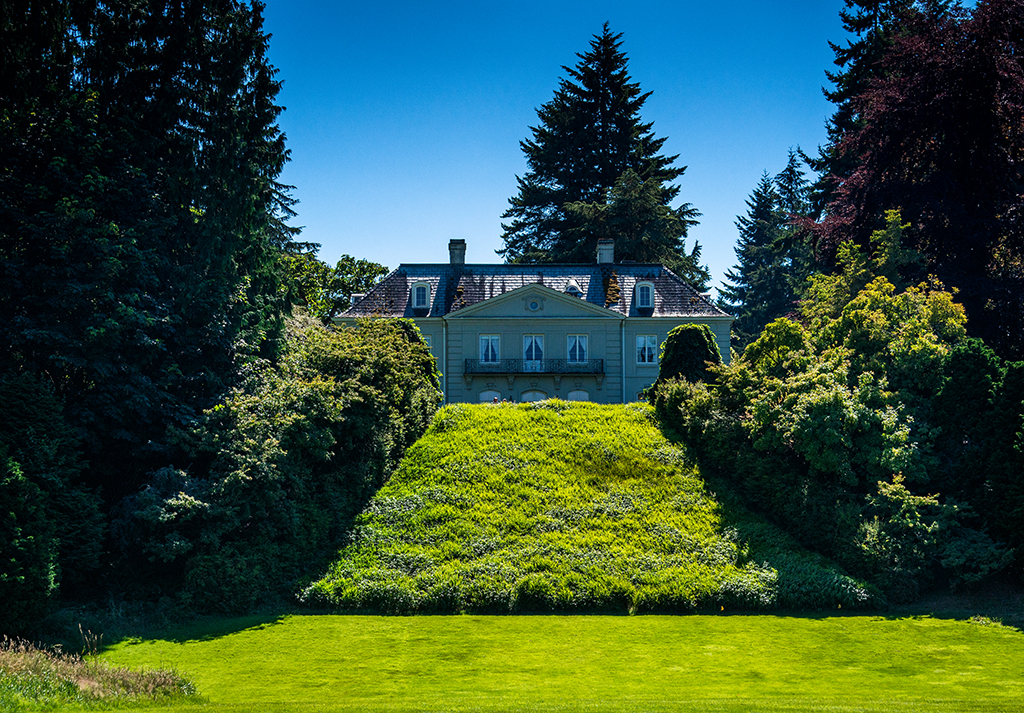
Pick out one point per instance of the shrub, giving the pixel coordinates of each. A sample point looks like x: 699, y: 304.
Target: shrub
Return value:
x: 52, y: 527
x: 686, y: 353
x: 278, y: 469
x: 831, y: 433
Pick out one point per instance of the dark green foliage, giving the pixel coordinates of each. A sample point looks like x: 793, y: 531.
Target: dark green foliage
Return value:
x: 28, y: 550
x: 687, y: 352
x: 54, y: 527
x: 873, y: 24
x: 773, y: 253
x: 140, y: 217
x: 833, y: 432
x: 756, y: 289
x: 591, y: 151
x: 940, y: 138
x: 269, y: 478
x: 644, y: 229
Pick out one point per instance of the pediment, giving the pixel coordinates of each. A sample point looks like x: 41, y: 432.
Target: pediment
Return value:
x: 534, y: 301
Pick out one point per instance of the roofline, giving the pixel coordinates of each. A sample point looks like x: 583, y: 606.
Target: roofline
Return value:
x: 526, y: 265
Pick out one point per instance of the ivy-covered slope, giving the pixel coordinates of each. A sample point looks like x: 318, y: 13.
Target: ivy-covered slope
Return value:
x: 563, y: 507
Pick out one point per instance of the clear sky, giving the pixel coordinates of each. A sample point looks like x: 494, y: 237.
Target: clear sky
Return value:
x: 404, y: 118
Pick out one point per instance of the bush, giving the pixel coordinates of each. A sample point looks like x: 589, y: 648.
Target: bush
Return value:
x: 687, y: 352
x: 832, y: 433
x: 278, y: 469
x: 52, y: 527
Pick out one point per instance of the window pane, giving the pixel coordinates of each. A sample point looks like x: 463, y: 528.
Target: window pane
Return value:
x: 421, y: 296
x: 643, y: 296
x: 577, y: 347
x: 645, y: 348
x: 533, y: 347
x: 489, y: 344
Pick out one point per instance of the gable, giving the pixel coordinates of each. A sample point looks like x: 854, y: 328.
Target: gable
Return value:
x: 534, y: 302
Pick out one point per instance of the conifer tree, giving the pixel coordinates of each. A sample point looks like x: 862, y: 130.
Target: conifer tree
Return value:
x: 794, y: 240
x: 872, y: 25
x: 757, y: 289
x: 940, y: 140
x: 644, y: 228
x: 589, y: 135
x: 140, y: 214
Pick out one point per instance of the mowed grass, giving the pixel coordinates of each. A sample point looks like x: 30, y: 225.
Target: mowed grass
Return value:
x: 559, y: 507
x: 593, y: 663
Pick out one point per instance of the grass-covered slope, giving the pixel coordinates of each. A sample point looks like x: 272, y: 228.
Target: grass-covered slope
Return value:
x: 558, y: 507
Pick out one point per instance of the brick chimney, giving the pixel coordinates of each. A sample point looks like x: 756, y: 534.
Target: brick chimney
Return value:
x: 457, y: 251
x: 605, y: 251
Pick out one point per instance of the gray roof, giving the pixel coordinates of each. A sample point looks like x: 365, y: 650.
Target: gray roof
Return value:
x: 454, y: 287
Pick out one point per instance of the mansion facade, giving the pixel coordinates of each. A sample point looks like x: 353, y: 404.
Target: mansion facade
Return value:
x: 530, y: 332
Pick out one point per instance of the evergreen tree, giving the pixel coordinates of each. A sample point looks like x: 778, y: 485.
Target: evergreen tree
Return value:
x: 588, y: 136
x: 644, y: 228
x: 141, y: 219
x: 794, y: 240
x: 940, y: 140
x: 757, y: 289
x: 872, y: 24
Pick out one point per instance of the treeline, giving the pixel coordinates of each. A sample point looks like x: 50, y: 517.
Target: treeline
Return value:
x: 870, y: 427
x: 928, y: 122
x: 165, y: 429
x: 874, y: 407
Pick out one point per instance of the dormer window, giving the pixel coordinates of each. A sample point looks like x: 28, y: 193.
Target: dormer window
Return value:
x: 644, y: 295
x: 573, y: 288
x: 421, y: 296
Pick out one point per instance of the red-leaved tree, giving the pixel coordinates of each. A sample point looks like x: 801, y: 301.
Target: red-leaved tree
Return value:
x: 942, y: 139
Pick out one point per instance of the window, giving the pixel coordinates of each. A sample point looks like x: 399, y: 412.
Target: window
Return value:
x: 646, y: 348
x: 577, y: 347
x: 533, y: 351
x: 420, y: 295
x: 427, y: 340
x: 489, y: 347
x: 644, y: 295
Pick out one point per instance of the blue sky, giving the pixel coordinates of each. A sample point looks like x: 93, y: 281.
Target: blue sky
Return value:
x: 404, y: 119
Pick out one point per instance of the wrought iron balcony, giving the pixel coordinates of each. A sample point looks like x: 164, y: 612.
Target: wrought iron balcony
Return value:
x: 531, y: 366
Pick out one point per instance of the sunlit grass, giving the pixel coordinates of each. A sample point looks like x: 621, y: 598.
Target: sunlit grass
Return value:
x: 555, y: 507
x: 594, y: 663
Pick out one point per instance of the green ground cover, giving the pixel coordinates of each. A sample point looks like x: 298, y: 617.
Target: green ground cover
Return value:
x: 593, y: 663
x: 559, y: 507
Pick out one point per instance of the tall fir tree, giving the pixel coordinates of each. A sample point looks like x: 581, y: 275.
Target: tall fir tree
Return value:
x: 589, y: 135
x: 141, y: 218
x: 795, y: 204
x: 644, y: 228
x: 872, y: 25
x: 757, y: 290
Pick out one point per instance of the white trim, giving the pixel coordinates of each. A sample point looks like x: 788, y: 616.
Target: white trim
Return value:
x: 414, y: 291
x: 583, y: 307
x: 636, y: 295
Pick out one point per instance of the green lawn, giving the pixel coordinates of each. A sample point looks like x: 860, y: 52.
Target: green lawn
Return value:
x: 594, y: 663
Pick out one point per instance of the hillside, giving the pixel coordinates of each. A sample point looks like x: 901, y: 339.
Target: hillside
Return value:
x: 564, y: 507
